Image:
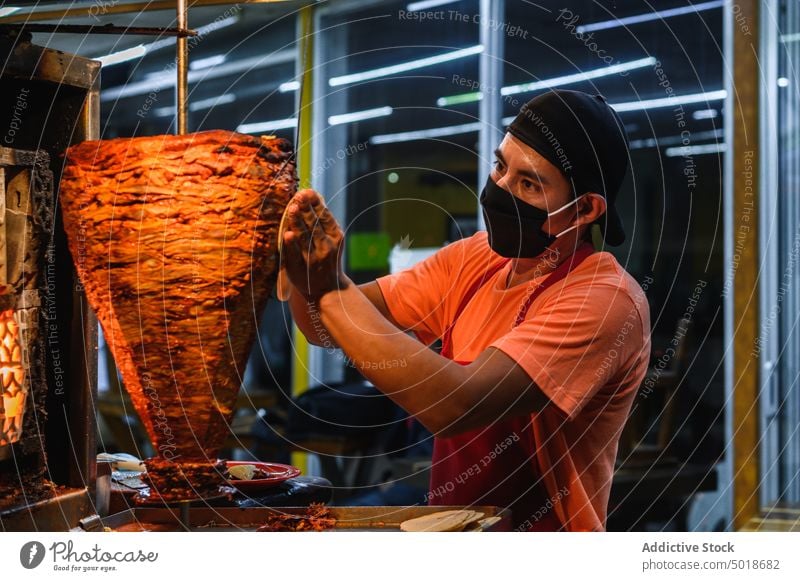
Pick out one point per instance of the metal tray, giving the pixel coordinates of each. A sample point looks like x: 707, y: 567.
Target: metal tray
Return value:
x: 348, y: 518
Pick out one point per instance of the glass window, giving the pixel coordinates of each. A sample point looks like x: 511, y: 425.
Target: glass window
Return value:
x: 398, y: 168
x: 781, y: 454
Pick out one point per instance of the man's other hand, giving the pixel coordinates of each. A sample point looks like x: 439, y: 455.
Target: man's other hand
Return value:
x: 312, y: 246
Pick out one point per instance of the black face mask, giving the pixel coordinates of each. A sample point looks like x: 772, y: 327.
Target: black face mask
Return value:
x: 515, y: 227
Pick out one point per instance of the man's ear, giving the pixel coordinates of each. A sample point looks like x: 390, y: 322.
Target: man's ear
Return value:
x: 590, y: 207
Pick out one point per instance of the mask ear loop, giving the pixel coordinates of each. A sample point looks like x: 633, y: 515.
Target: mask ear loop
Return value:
x: 575, y: 201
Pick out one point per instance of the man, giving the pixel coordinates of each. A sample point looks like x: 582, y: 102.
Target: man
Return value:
x: 544, y: 341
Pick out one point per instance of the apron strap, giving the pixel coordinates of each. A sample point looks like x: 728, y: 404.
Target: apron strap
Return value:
x: 447, y: 347
x: 582, y: 253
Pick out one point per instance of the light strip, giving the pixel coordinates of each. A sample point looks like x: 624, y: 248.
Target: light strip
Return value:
x: 406, y: 66
x: 424, y: 133
x: 359, y: 115
x: 201, y: 104
x: 673, y: 139
x: 8, y: 11
x: 201, y: 31
x: 122, y: 56
x: 670, y: 101
x: 619, y: 107
x: 288, y: 86
x: 267, y: 126
x: 547, y: 83
x: 578, y: 77
x: 425, y: 4
x: 794, y: 37
x: 197, y: 105
x: 166, y: 79
x: 705, y: 114
x: 696, y: 149
x: 207, y: 62
x: 639, y: 18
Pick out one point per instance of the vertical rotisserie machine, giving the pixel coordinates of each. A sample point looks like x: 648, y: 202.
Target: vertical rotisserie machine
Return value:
x: 48, y: 335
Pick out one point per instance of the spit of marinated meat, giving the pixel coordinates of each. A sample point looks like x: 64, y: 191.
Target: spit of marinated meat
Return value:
x: 175, y: 242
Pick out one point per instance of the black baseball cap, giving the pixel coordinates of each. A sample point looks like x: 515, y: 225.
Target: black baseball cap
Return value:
x: 584, y: 137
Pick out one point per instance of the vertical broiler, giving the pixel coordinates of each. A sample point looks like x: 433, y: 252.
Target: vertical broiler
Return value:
x: 48, y: 101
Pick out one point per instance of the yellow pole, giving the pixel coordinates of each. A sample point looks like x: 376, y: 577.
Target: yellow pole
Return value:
x: 305, y: 48
x: 745, y: 149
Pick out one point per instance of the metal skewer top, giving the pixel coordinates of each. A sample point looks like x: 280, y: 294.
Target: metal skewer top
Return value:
x: 182, y: 60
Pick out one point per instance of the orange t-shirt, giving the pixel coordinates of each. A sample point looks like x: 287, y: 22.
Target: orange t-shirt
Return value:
x: 585, y: 342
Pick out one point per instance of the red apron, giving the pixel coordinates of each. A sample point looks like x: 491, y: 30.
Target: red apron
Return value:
x: 494, y: 465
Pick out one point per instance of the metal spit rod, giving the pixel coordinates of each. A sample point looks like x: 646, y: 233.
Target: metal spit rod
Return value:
x: 182, y: 88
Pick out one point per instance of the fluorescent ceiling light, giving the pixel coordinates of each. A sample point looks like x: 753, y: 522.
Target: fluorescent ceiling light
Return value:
x: 166, y: 79
x: 554, y: 82
x: 695, y: 150
x: 267, y: 126
x: 670, y: 101
x: 406, y: 66
x: 122, y: 56
x: 289, y: 86
x: 425, y: 4
x: 201, y: 104
x: 168, y: 42
x: 619, y: 107
x: 10, y: 10
x: 201, y: 32
x: 673, y: 139
x: 578, y: 77
x: 783, y: 82
x: 359, y: 115
x: 198, y: 105
x: 658, y: 15
x: 452, y: 100
x: 207, y: 62
x: 425, y: 133
x: 705, y: 114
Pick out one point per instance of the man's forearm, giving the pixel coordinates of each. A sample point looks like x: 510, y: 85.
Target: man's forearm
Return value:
x: 428, y: 386
x: 307, y: 318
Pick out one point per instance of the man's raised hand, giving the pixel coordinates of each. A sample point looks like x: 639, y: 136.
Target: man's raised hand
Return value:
x: 312, y: 246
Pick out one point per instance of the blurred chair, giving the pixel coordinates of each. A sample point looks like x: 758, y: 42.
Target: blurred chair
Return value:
x: 650, y: 485
x: 649, y: 429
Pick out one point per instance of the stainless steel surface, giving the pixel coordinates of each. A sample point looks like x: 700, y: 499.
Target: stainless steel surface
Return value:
x: 102, y: 496
x: 82, y: 413
x: 41, y: 64
x: 61, y: 513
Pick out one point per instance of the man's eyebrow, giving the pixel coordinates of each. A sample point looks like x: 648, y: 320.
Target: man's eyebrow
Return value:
x: 531, y: 175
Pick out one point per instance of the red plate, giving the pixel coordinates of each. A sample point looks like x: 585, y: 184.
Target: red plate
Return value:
x: 277, y: 473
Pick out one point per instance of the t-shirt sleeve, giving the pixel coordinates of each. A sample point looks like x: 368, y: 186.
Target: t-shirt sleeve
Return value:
x: 417, y: 297
x: 576, y: 343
